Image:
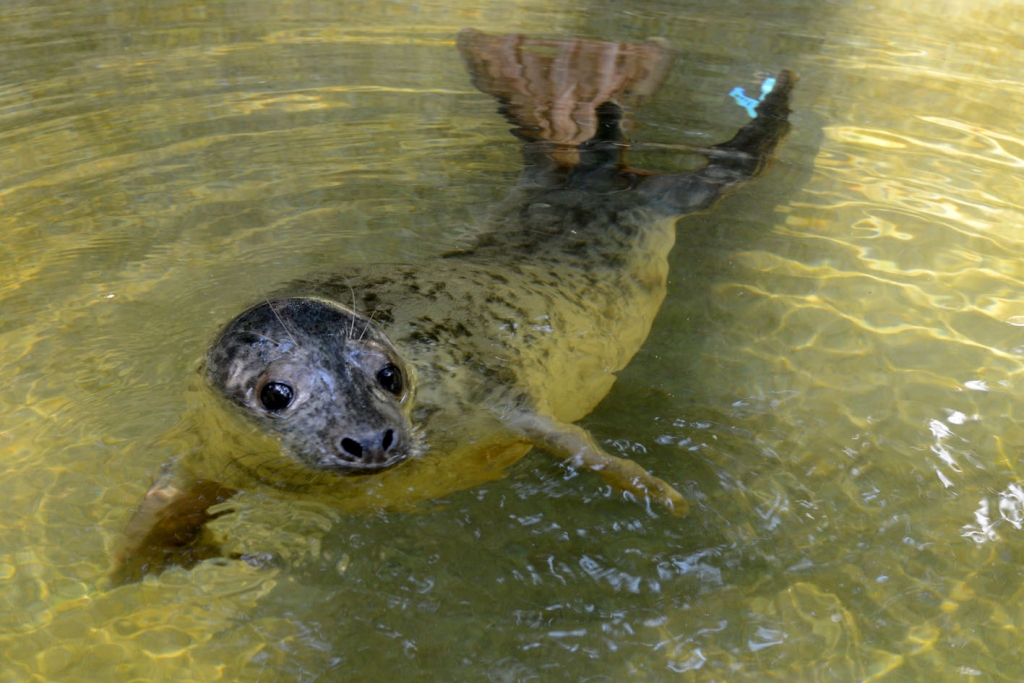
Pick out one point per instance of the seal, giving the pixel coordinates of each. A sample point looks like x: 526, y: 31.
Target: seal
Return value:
x: 431, y: 377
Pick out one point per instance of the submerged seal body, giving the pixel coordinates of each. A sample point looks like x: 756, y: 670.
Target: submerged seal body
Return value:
x: 430, y: 377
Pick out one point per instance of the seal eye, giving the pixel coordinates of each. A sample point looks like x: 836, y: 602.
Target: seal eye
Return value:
x: 276, y: 396
x: 390, y: 378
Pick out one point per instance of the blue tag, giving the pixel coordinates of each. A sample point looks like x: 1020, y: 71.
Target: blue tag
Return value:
x: 749, y: 103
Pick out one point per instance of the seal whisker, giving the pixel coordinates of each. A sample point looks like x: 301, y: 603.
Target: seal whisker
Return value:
x: 271, y: 339
x: 283, y: 324
x: 352, y: 294
x: 270, y: 305
x: 367, y: 327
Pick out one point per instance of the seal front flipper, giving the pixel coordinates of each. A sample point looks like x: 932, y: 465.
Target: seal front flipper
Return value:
x: 168, y: 528
x: 731, y: 163
x: 579, y: 449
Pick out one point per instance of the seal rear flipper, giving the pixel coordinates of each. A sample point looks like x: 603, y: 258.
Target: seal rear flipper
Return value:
x: 580, y: 450
x: 550, y: 89
x: 168, y: 528
x: 730, y: 164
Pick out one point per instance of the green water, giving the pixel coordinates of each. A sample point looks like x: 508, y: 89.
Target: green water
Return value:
x: 834, y: 379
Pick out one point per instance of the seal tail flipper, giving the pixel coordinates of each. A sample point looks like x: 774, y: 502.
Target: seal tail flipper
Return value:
x: 167, y: 528
x: 580, y: 450
x: 731, y: 163
x: 550, y: 90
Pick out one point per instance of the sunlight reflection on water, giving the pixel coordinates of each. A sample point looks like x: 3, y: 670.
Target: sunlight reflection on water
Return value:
x: 833, y: 382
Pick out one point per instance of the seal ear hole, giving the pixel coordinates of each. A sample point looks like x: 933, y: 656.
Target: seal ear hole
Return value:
x: 390, y: 378
x: 276, y: 396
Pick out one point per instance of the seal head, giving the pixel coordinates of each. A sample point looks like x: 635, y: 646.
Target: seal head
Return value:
x: 325, y: 378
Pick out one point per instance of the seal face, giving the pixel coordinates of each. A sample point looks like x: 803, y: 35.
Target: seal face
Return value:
x: 324, y: 378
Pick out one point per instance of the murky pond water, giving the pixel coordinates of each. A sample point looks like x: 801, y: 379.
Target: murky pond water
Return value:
x: 833, y: 379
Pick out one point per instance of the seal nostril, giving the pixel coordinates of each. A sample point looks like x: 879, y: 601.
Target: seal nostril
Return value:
x: 352, y: 447
x: 389, y: 440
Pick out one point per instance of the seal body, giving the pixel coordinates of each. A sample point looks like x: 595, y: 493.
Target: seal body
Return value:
x: 512, y: 326
x: 384, y: 385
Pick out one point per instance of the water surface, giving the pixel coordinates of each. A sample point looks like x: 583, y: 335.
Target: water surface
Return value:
x: 833, y: 380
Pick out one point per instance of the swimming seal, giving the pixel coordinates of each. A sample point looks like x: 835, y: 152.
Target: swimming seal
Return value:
x: 431, y: 377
